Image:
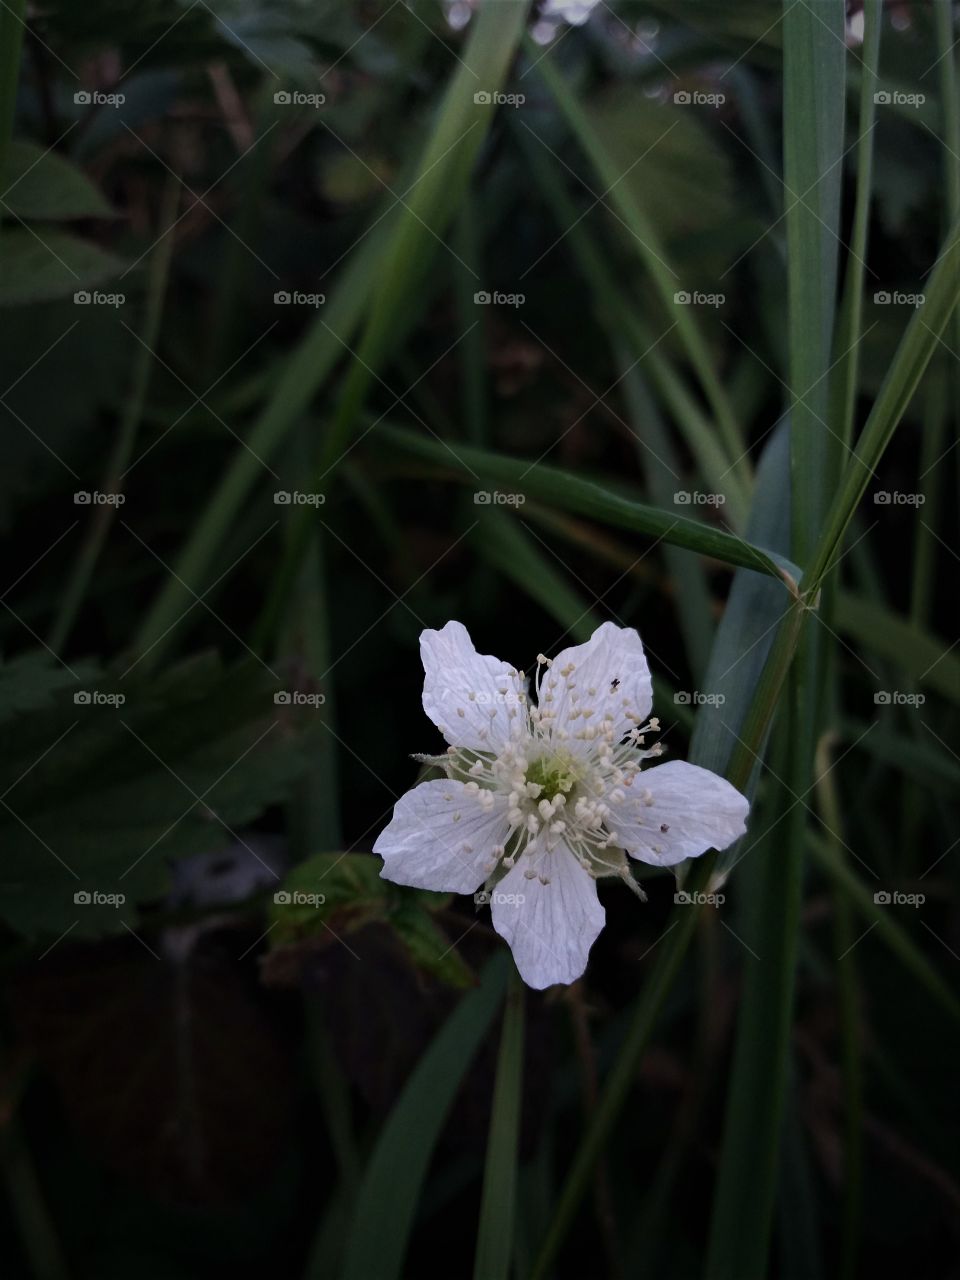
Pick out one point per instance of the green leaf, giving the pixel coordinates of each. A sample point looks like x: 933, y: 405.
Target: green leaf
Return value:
x: 42, y: 185
x: 32, y: 682
x: 570, y: 493
x: 387, y: 1203
x: 37, y: 266
x: 102, y: 794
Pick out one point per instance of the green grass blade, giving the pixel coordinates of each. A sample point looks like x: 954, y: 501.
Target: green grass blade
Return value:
x: 517, y: 555
x: 570, y: 493
x: 919, y: 342
x: 497, y: 1205
x: 845, y: 375
x: 814, y: 61
x: 745, y: 637
x: 12, y: 27
x: 443, y: 176
x: 122, y: 452
x: 387, y: 1201
x: 925, y: 658
x: 746, y: 1190
x: 306, y: 370
x: 626, y: 327
x: 884, y: 923
x: 651, y: 250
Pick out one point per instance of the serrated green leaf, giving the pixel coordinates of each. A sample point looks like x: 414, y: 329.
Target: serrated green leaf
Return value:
x: 45, y: 186
x: 100, y: 795
x: 38, y: 266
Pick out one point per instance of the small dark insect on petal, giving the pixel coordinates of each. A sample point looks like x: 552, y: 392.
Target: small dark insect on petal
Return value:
x: 664, y: 827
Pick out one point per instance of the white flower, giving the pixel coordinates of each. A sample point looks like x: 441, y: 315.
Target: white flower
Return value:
x: 542, y: 799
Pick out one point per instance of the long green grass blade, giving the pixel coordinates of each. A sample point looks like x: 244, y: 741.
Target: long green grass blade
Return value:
x: 883, y: 921
x: 498, y: 1202
x: 746, y: 1194
x: 387, y: 1201
x: 650, y: 248
x: 916, y: 348
x: 925, y: 658
x: 442, y: 177
x: 570, y: 493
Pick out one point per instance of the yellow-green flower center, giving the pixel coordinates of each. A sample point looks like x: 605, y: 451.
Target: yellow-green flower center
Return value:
x: 553, y: 774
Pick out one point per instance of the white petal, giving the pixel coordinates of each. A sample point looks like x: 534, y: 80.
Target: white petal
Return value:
x: 610, y: 678
x: 473, y: 699
x: 551, y: 927
x: 692, y: 810
x: 440, y: 837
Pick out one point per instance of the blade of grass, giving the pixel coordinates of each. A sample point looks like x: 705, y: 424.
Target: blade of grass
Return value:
x: 925, y: 658
x: 520, y: 560
x: 660, y: 465
x: 306, y: 370
x: 670, y: 950
x: 650, y: 249
x: 130, y: 420
x: 12, y: 27
x: 746, y: 1190
x: 884, y: 924
x: 497, y: 1204
x: 442, y: 178
x: 626, y: 324
x: 559, y: 488
x: 912, y: 356
x: 846, y: 372
x: 516, y: 555
x: 828, y: 803
x: 387, y: 1200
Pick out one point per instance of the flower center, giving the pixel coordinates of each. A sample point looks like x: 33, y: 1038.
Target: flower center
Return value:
x: 554, y: 775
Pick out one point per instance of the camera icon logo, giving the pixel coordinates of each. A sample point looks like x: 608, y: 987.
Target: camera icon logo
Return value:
x: 882, y: 299
x: 83, y: 97
x: 82, y: 498
x: 882, y: 98
x: 282, y: 98
x: 882, y: 898
x: 482, y: 98
x: 82, y: 898
x: 282, y: 498
x: 82, y: 698
x: 82, y: 298
x: 882, y: 698
x: 882, y: 498
x: 482, y: 498
x: 682, y: 98
x: 682, y: 298
x: 282, y: 898
x: 682, y: 698
x: 482, y: 298
x: 281, y: 298
x: 282, y: 698
x: 682, y: 498
x: 682, y: 898
x: 481, y: 897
